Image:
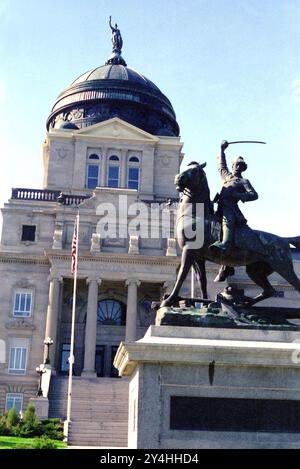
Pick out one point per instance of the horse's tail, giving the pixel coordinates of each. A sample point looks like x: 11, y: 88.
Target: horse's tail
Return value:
x: 295, y: 241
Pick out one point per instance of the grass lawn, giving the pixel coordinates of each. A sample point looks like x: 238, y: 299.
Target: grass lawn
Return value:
x: 14, y: 442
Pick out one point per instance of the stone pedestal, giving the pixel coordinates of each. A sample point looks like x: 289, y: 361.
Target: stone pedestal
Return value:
x: 197, y: 387
x: 41, y: 405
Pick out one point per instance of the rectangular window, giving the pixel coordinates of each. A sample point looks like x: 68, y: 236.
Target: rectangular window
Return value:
x: 14, y: 400
x: 133, y: 178
x: 22, y: 304
x: 28, y: 233
x: 92, y: 176
x: 18, y: 357
x: 113, y: 176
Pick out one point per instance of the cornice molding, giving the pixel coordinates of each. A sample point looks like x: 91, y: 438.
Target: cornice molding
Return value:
x: 22, y: 258
x: 114, y: 257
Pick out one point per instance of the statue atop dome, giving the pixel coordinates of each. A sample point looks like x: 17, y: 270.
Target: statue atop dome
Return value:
x: 116, y: 37
x: 117, y: 44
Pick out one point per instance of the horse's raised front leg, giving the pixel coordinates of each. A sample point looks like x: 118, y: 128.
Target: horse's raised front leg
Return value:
x: 187, y: 258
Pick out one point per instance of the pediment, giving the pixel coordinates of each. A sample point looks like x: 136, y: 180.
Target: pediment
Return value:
x: 102, y: 195
x: 116, y: 128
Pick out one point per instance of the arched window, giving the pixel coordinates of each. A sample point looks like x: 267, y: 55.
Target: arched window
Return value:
x: 111, y: 312
x: 134, y: 159
x: 113, y: 173
x: 93, y: 171
x: 133, y: 174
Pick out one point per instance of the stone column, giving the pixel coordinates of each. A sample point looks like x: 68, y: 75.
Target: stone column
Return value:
x: 52, y: 317
x: 131, y: 315
x: 103, y: 182
x: 91, y: 327
x: 123, y: 168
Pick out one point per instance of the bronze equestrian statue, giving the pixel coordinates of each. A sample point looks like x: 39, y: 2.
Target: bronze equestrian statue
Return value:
x: 262, y: 253
x: 235, y: 188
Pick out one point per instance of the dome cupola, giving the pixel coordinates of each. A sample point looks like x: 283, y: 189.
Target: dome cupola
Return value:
x: 114, y: 90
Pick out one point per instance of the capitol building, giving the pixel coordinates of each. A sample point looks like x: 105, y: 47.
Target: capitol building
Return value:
x: 112, y: 139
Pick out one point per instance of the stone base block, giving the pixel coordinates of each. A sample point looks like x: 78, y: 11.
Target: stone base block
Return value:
x: 41, y: 405
x: 194, y: 387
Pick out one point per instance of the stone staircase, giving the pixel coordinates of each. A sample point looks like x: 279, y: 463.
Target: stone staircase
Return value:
x: 99, y: 411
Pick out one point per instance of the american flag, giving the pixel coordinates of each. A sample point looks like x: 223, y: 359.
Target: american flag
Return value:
x: 74, y: 248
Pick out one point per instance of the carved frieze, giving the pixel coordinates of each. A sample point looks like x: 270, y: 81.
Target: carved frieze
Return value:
x: 164, y: 161
x: 20, y: 323
x: 62, y: 152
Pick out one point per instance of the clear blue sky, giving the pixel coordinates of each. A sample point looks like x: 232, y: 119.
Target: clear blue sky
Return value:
x: 231, y: 69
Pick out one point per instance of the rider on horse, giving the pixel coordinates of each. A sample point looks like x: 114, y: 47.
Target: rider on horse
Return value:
x: 235, y: 188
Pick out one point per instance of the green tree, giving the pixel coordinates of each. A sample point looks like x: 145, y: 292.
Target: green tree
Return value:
x: 12, y: 418
x: 29, y: 417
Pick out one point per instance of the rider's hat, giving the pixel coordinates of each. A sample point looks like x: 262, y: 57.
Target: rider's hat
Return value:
x: 240, y: 159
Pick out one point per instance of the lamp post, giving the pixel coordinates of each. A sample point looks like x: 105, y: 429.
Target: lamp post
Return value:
x: 48, y: 342
x: 40, y: 371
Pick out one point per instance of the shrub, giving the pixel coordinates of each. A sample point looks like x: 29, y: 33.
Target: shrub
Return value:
x: 3, y: 428
x: 28, y: 430
x: 15, y: 430
x: 29, y: 417
x: 52, y: 428
x: 30, y: 426
x: 12, y: 418
x: 44, y: 443
x: 53, y: 420
x: 2, y: 424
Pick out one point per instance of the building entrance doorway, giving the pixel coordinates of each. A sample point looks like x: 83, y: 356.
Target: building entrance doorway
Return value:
x: 99, y: 360
x: 104, y: 359
x: 114, y: 373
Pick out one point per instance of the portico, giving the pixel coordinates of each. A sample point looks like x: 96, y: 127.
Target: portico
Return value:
x: 112, y: 306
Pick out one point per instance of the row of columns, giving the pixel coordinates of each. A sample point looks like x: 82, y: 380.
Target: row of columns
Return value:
x: 91, y: 319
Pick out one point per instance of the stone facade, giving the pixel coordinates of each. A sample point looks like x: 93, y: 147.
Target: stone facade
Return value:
x: 36, y: 264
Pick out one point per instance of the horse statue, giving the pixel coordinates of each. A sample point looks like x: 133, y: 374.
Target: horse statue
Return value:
x: 262, y: 253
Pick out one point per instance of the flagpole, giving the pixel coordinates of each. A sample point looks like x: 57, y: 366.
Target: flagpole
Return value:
x: 71, y: 358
